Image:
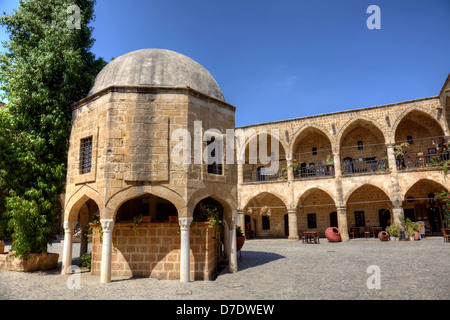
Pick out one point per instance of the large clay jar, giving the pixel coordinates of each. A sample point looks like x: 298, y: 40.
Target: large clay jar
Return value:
x: 333, y: 234
x: 383, y: 236
x: 239, y: 243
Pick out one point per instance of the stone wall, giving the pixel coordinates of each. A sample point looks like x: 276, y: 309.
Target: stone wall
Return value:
x: 155, y: 251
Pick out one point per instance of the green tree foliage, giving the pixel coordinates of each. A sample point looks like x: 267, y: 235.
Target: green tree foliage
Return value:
x: 45, y: 68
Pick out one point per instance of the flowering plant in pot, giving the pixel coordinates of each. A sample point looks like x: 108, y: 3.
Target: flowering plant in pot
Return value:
x: 394, y: 231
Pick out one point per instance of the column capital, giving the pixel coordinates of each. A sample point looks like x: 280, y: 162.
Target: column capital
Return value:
x: 185, y: 223
x: 69, y: 226
x: 292, y: 210
x: 107, y: 225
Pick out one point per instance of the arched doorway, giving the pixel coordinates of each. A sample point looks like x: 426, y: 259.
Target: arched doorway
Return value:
x: 267, y: 212
x: 363, y: 208
x: 333, y: 219
x: 421, y: 205
x: 384, y: 216
x: 315, y: 206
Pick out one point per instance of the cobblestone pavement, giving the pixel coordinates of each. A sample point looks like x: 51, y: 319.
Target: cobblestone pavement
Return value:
x: 271, y: 269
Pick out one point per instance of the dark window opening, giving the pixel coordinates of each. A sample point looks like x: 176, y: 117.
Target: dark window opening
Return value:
x: 214, y: 168
x: 265, y: 222
x: 314, y: 151
x: 360, y: 145
x: 359, y: 219
x: 409, y: 139
x: 311, y: 218
x: 85, y: 155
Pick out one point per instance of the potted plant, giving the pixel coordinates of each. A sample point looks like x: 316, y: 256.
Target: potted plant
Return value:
x: 410, y: 229
x: 240, y: 239
x: 330, y: 164
x: 394, y: 231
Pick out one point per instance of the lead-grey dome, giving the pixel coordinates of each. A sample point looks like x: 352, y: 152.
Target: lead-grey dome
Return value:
x: 157, y: 68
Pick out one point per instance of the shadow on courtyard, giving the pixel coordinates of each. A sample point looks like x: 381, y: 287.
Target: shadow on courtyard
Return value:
x: 251, y: 259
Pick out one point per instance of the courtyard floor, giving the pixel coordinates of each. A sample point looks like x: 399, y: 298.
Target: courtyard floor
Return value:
x: 271, y: 270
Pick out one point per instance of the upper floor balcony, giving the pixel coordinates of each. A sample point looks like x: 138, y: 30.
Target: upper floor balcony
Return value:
x: 361, y: 148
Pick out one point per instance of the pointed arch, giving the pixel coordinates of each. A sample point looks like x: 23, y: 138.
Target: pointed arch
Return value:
x: 114, y: 203
x: 78, y: 199
x: 418, y: 110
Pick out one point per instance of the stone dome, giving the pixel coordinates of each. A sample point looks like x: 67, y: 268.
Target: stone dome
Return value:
x: 157, y: 68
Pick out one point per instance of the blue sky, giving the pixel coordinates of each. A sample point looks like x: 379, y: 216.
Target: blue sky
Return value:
x: 277, y: 60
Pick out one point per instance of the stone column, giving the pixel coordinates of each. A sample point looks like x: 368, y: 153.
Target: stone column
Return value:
x: 69, y: 226
x: 240, y: 174
x: 293, y: 227
x: 342, y: 222
x: 232, y: 264
x: 105, y: 270
x: 185, y: 223
x: 337, y: 164
x: 397, y: 212
x: 391, y: 158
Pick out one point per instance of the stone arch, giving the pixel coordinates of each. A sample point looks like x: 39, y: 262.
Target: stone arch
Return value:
x: 409, y: 111
x: 311, y: 190
x: 255, y: 195
x: 359, y: 119
x: 432, y: 183
x: 267, y: 214
x: 348, y: 194
x: 219, y: 194
x: 421, y: 204
x: 304, y: 129
x: 78, y: 199
x: 254, y: 135
x: 114, y: 203
x: 368, y: 206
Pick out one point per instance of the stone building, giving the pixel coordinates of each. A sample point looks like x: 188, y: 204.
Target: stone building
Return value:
x: 344, y: 169
x: 341, y: 169
x: 121, y: 167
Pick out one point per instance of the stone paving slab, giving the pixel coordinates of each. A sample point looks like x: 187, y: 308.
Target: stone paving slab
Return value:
x: 271, y: 270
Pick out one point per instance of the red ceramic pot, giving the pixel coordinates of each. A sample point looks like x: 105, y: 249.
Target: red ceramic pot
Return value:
x: 333, y: 234
x: 239, y: 243
x: 383, y: 236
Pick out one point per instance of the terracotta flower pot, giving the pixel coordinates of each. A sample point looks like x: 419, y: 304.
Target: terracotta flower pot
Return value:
x: 333, y: 234
x: 383, y: 236
x: 416, y: 235
x: 239, y: 243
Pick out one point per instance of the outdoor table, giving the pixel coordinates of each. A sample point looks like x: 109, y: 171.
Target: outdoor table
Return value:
x: 376, y: 230
x: 311, y: 236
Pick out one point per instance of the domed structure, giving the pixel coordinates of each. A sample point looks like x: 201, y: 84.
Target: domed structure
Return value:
x: 126, y: 163
x: 157, y: 68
